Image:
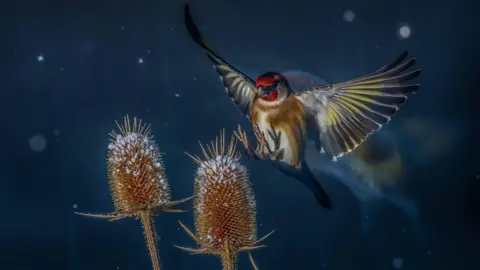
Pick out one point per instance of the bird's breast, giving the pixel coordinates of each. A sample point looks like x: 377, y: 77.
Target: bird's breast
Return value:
x: 286, y: 119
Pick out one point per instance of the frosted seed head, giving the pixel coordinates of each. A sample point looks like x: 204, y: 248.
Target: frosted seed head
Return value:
x: 136, y: 176
x: 224, y: 205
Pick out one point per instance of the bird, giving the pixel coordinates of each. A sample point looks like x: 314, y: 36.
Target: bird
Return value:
x: 338, y: 117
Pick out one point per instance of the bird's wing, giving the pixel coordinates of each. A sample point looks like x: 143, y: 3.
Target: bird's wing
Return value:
x: 345, y: 114
x: 239, y: 87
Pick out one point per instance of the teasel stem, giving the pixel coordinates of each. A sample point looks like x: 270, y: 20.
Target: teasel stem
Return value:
x: 151, y: 237
x: 229, y: 258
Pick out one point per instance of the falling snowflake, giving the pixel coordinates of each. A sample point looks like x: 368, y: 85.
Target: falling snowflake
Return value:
x: 40, y: 58
x: 75, y: 206
x: 397, y: 263
x: 37, y: 143
x: 177, y: 95
x: 404, y: 32
x: 140, y: 60
x: 348, y: 16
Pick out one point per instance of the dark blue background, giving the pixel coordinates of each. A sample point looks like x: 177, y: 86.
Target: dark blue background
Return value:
x: 90, y: 77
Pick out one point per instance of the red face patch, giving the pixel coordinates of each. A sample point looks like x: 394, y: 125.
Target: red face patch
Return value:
x: 265, y: 81
x: 272, y: 96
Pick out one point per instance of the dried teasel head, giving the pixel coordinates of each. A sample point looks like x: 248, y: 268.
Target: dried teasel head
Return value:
x: 135, y: 168
x: 137, y: 180
x: 224, y: 203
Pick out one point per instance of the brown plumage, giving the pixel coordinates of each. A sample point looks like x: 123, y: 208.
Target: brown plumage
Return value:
x: 137, y: 180
x: 286, y: 117
x: 224, y: 205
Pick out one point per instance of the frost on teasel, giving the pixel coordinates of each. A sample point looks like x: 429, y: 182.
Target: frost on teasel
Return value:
x: 135, y: 168
x: 137, y: 180
x: 224, y: 204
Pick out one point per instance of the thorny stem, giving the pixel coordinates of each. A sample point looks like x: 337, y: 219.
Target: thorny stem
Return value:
x: 229, y: 258
x: 146, y: 218
x: 229, y: 262
x: 150, y: 236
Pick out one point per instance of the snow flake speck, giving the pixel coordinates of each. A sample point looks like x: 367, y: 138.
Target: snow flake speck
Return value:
x: 127, y: 152
x: 221, y: 170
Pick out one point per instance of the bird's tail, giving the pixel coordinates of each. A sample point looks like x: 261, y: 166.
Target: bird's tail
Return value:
x: 306, y: 177
x: 311, y: 182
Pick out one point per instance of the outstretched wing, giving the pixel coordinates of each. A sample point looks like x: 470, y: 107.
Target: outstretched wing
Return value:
x: 239, y: 86
x: 346, y: 113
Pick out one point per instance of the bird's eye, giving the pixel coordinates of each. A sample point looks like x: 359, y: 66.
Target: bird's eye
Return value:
x: 271, y: 88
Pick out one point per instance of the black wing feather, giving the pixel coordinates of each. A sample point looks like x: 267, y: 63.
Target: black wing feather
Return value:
x: 239, y: 87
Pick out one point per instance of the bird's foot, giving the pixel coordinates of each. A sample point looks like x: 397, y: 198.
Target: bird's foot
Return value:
x: 242, y: 137
x: 276, y: 155
x: 261, y: 140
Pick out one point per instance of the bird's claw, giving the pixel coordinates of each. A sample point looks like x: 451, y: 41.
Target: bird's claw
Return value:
x: 259, y: 135
x: 248, y: 152
x: 242, y: 137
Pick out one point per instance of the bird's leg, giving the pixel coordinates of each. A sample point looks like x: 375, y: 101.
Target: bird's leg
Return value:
x: 242, y: 137
x: 262, y: 144
x: 277, y: 152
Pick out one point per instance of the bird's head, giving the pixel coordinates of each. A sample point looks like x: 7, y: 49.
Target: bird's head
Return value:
x: 272, y: 86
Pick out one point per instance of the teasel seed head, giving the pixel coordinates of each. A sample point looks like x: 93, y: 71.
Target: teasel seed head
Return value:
x: 137, y: 180
x: 135, y: 168
x: 224, y: 205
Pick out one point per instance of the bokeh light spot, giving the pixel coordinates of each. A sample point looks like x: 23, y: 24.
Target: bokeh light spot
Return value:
x: 37, y: 143
x: 397, y: 263
x: 404, y: 32
x: 348, y: 16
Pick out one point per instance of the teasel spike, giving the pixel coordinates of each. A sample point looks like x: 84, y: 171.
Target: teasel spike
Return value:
x: 137, y: 180
x: 224, y: 204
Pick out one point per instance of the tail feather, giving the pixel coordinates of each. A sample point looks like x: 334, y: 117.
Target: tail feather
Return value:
x: 311, y: 182
x: 306, y: 177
